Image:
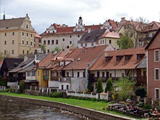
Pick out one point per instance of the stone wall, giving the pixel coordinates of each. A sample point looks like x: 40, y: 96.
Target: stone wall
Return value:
x: 92, y: 114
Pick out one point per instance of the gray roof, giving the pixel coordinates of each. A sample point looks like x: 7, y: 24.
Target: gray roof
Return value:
x: 23, y: 66
x: 142, y: 64
x: 14, y: 22
x: 92, y: 36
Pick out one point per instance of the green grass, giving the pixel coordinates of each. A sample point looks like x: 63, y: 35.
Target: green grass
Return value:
x: 95, y: 105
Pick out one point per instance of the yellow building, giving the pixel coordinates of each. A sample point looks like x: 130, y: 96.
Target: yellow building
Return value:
x: 16, y: 36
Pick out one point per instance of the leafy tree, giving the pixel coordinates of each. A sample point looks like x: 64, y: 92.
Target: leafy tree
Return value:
x: 125, y: 42
x: 125, y: 86
x: 57, y: 49
x: 141, y: 91
x: 43, y: 48
x: 109, y: 85
x: 99, y: 86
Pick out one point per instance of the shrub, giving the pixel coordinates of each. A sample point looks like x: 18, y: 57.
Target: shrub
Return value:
x: 99, y: 86
x: 56, y: 94
x: 109, y: 85
x: 141, y: 91
x: 147, y: 106
x: 22, y: 86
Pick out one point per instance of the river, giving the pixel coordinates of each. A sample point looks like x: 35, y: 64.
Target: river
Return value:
x: 17, y: 111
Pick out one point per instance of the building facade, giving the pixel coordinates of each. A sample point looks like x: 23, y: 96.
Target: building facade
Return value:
x: 16, y: 36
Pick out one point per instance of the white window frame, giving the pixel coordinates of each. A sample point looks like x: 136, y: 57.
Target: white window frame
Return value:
x: 155, y: 73
x: 155, y: 93
x: 155, y: 55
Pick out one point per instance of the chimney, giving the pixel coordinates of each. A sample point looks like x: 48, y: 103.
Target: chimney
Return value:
x: 89, y: 30
x: 4, y: 17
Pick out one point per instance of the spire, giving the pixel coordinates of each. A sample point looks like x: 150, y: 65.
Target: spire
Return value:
x: 80, y: 21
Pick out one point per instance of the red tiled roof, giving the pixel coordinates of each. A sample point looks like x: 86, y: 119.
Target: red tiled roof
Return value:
x: 37, y: 35
x: 111, y: 35
x: 102, y: 64
x: 69, y: 30
x: 85, y: 57
x: 45, y: 62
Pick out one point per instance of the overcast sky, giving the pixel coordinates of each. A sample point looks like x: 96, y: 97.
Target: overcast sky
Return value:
x: 43, y: 13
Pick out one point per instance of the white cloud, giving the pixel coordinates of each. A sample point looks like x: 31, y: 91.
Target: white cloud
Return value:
x: 45, y: 12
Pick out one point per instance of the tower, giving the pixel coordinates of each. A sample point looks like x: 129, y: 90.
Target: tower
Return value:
x: 80, y: 21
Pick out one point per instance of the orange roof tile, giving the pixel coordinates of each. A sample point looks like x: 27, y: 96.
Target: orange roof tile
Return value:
x: 102, y: 64
x: 45, y: 62
x: 85, y: 57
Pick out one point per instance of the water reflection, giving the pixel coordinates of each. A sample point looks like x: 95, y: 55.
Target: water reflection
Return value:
x: 13, y: 111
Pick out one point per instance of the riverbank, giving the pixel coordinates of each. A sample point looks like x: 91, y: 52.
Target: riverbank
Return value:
x: 91, y: 109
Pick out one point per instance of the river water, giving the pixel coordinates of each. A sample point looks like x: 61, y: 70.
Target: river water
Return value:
x: 17, y: 111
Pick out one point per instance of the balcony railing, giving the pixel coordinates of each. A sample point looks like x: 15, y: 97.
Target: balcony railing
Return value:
x: 45, y: 77
x: 65, y: 79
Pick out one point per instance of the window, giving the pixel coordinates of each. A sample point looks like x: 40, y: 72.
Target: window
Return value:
x: 78, y: 35
x: 22, y: 33
x: 70, y: 36
x: 140, y: 56
x: 28, y: 73
x: 48, y: 51
x: 12, y: 51
x: 153, y: 34
x: 31, y: 43
x: 67, y: 87
x: 108, y: 58
x: 56, y: 42
x: 62, y: 87
x: 26, y: 26
x: 22, y: 42
x: 26, y: 42
x: 157, y: 93
x: 84, y: 75
x: 70, y: 42
x: 156, y: 56
x: 77, y: 74
x: 85, y: 44
x: 44, y: 42
x: 103, y: 74
x: 110, y: 41
x: 12, y: 41
x: 13, y: 33
x: 156, y: 73
x: 31, y: 35
x: 5, y: 52
x: 5, y: 34
x: 5, y: 42
x: 63, y: 39
x: 48, y: 42
x: 118, y: 58
x: 81, y: 44
x: 52, y: 42
x: 27, y: 34
x: 127, y: 57
x: 27, y: 52
x: 110, y: 75
x: 67, y: 46
x: 33, y: 73
x: 92, y: 44
x: 23, y: 52
x: 67, y: 74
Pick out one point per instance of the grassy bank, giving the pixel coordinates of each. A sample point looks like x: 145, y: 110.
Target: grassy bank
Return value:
x: 96, y: 105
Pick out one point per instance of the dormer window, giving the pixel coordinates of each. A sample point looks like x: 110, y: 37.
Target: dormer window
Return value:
x: 140, y: 56
x: 118, y: 58
x: 127, y: 57
x: 108, y: 58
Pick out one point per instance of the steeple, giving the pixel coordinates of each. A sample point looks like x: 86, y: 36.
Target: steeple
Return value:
x: 80, y: 21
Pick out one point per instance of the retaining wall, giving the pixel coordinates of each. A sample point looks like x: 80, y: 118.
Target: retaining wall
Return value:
x: 92, y: 114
